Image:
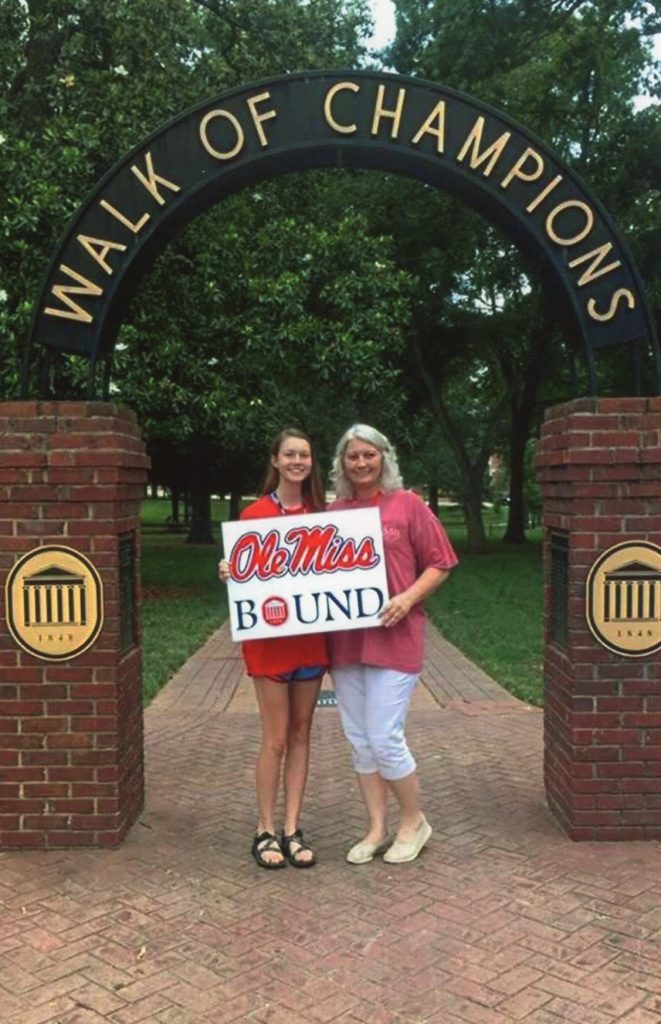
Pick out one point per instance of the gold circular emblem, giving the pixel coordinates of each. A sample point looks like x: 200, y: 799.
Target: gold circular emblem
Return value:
x: 623, y: 598
x: 54, y: 600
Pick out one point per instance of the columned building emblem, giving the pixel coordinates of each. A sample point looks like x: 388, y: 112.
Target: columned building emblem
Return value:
x: 623, y: 598
x: 54, y: 599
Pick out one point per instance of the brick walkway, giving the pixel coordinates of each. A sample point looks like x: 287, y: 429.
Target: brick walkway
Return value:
x: 501, y: 920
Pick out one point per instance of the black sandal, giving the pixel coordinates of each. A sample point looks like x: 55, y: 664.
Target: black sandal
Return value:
x: 293, y: 856
x: 267, y: 842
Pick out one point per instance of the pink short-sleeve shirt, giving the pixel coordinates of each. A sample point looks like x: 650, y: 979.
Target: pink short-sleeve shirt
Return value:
x: 414, y: 540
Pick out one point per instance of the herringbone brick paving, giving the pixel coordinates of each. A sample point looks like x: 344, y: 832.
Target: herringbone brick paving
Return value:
x: 502, y: 919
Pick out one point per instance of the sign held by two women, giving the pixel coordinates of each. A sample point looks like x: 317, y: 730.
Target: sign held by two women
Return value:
x: 305, y: 574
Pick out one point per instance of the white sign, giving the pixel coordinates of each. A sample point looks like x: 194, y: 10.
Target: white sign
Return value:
x: 305, y: 574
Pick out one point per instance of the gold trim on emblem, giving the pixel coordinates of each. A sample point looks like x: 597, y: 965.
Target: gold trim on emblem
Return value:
x: 54, y: 601
x: 623, y: 599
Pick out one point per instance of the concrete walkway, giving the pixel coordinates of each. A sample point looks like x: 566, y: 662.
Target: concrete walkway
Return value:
x: 502, y: 919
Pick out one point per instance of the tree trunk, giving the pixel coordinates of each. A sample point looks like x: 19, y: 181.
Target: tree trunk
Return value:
x: 472, y: 506
x: 200, y: 524
x: 174, y: 505
x: 471, y: 467
x: 515, y: 532
x: 432, y: 500
x: 235, y: 505
x: 523, y: 403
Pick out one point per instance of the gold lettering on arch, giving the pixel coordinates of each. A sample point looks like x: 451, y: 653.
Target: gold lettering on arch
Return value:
x: 576, y: 204
x: 621, y: 294
x: 118, y: 215
x: 151, y: 180
x: 234, y: 121
x: 98, y: 248
x: 258, y: 117
x: 343, y: 129
x: 491, y: 155
x: 597, y: 256
x: 517, y: 169
x: 63, y: 293
x: 434, y: 124
x: 553, y: 184
x: 381, y: 111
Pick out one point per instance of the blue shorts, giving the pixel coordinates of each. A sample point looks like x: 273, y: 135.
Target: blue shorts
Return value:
x: 298, y: 675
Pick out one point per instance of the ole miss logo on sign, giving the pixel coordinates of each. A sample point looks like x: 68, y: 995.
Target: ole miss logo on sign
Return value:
x: 328, y: 568
x: 274, y: 611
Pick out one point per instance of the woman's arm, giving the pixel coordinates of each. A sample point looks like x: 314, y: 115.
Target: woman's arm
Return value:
x: 400, y: 605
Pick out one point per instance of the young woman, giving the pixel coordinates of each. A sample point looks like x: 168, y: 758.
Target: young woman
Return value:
x: 286, y: 671
x: 375, y: 670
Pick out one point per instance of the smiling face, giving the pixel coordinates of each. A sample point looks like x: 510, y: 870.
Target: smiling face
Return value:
x: 363, y: 464
x: 293, y: 461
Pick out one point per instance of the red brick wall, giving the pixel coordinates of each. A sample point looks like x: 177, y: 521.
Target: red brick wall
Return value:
x: 599, y: 466
x: 71, y: 473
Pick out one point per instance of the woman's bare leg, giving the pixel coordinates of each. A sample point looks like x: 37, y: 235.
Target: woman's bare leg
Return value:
x: 302, y: 703
x: 273, y: 701
x: 407, y: 794
x: 375, y: 797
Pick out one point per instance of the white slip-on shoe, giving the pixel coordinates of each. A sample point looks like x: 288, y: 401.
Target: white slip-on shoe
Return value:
x: 400, y: 853
x: 364, y: 851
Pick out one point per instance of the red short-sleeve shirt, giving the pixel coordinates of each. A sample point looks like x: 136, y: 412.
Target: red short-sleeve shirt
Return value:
x: 413, y: 540
x: 271, y: 656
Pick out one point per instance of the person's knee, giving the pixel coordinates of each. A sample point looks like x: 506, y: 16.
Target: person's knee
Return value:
x: 360, y: 746
x: 361, y: 752
x: 299, y: 731
x: 392, y: 756
x: 275, y: 745
x: 364, y: 762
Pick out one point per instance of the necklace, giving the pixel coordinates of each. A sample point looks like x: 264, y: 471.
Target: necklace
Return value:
x: 277, y: 501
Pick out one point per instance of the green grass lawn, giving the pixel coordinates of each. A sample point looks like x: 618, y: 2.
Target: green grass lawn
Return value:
x: 491, y: 608
x: 183, y: 600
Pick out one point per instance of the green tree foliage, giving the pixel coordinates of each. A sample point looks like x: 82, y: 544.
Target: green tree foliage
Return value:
x: 81, y: 82
x: 570, y: 70
x: 260, y: 313
x: 326, y: 297
x: 258, y: 316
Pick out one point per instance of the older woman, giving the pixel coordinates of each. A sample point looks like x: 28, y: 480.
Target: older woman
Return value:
x: 375, y: 670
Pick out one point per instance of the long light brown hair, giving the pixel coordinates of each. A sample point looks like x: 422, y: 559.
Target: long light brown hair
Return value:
x: 311, y: 489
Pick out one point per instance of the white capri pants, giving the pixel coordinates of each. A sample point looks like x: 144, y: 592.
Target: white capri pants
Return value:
x: 373, y: 704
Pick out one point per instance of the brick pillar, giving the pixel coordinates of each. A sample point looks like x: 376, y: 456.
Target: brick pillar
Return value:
x: 72, y: 474
x: 599, y: 466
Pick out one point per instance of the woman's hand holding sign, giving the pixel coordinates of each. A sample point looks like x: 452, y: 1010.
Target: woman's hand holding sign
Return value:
x: 400, y: 605
x: 318, y: 571
x: 397, y: 609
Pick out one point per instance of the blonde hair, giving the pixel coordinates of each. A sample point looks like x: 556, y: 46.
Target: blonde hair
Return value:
x: 390, y: 479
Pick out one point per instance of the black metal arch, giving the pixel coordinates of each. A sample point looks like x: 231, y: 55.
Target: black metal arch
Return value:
x: 359, y: 119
